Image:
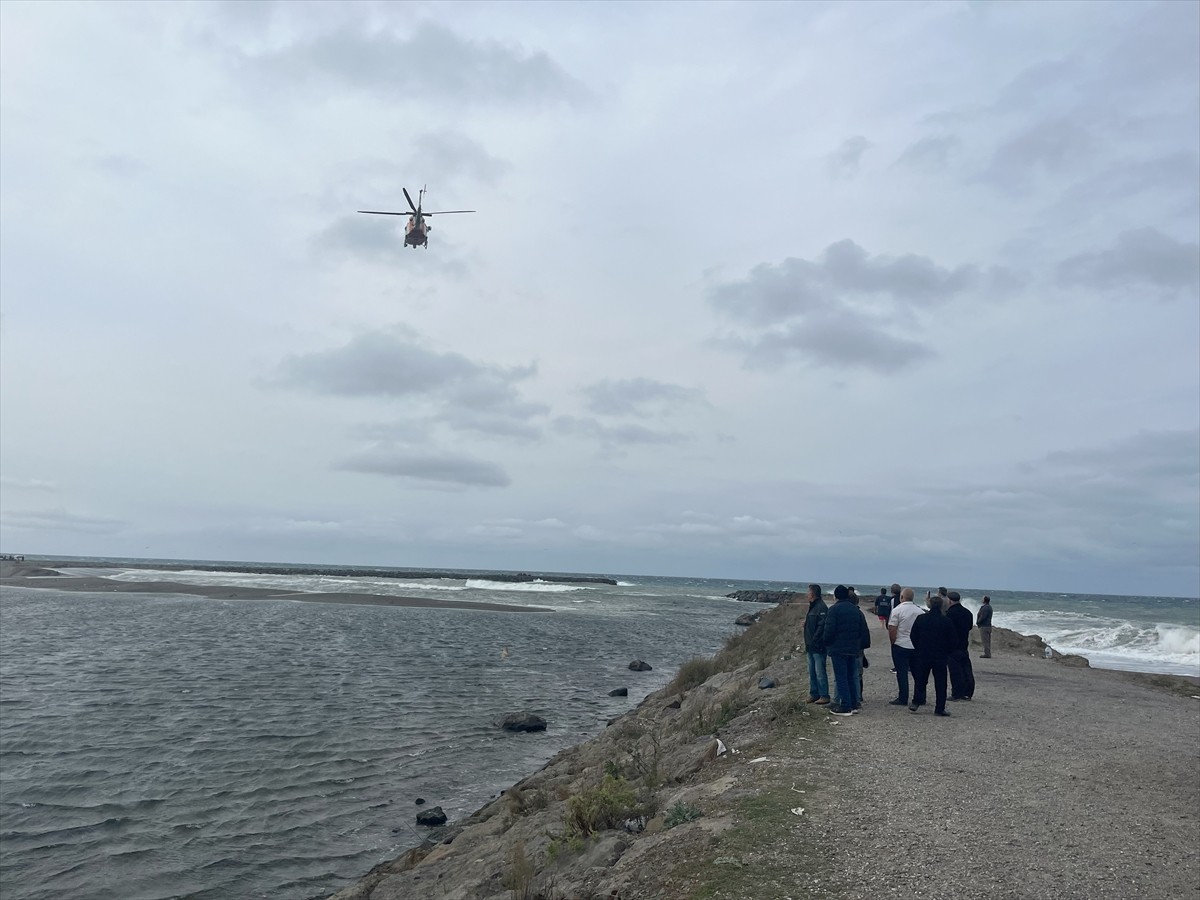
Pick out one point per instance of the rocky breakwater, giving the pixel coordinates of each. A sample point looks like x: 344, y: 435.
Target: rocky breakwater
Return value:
x: 767, y: 596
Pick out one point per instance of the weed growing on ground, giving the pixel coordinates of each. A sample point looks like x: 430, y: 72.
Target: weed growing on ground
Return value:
x: 518, y: 877
x: 681, y: 812
x: 692, y: 673
x: 604, y: 806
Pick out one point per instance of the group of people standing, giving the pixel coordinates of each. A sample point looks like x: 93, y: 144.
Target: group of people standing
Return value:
x: 924, y: 641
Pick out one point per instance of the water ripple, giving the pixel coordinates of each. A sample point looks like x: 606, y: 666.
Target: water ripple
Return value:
x: 157, y: 746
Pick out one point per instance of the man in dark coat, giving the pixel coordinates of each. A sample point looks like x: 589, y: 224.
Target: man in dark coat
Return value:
x: 846, y: 635
x: 962, y: 678
x: 814, y: 647
x: 933, y: 638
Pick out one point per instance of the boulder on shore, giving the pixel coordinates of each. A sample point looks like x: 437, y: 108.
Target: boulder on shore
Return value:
x: 523, y: 722
x: 746, y: 619
x: 638, y: 666
x: 431, y: 818
x: 619, y: 692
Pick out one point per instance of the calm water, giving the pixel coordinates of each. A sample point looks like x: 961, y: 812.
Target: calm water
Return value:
x: 169, y: 746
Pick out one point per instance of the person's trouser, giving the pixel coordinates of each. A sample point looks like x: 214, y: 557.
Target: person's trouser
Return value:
x: 921, y: 671
x: 818, y: 677
x: 985, y: 637
x: 845, y: 673
x: 902, y: 658
x: 962, y: 678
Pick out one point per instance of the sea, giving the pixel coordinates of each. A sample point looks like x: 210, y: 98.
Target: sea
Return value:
x: 161, y: 746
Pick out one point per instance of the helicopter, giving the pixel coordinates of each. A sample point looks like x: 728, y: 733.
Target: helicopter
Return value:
x: 416, y: 232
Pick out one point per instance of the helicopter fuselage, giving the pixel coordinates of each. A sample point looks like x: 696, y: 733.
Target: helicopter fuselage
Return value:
x: 416, y: 232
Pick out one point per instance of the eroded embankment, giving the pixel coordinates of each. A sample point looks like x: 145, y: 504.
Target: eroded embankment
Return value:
x: 653, y: 808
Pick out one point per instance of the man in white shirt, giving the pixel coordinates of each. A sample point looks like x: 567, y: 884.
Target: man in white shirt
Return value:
x: 899, y: 628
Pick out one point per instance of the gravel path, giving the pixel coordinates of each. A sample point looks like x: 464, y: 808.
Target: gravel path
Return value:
x: 1054, y: 782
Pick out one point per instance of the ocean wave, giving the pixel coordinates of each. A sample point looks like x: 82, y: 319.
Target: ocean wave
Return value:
x: 1112, y: 642
x: 539, y: 587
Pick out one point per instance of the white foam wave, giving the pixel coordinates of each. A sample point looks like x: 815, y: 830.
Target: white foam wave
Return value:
x: 537, y: 587
x: 1111, y: 642
x: 287, y: 581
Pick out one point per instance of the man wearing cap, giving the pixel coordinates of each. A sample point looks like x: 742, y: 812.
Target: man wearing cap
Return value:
x: 846, y: 635
x: 899, y: 626
x: 962, y: 679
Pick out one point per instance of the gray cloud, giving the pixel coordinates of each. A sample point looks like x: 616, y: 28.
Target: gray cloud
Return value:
x: 30, y: 484
x: 453, y: 390
x: 840, y: 339
x: 439, y: 469
x: 397, y: 364
x: 1170, y: 456
x: 433, y: 62
x: 636, y: 396
x: 611, y: 435
x: 1051, y: 146
x: 844, y: 162
x: 446, y: 155
x: 930, y: 154
x: 59, y: 519
x: 1172, y: 176
x: 844, y: 308
x: 1145, y: 256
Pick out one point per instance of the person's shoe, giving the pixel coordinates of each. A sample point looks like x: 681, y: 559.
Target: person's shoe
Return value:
x: 854, y: 712
x: 940, y: 712
x: 812, y: 700
x: 955, y: 699
x: 913, y: 707
x: 985, y: 656
x: 824, y: 701
x: 893, y: 671
x: 969, y: 698
x: 839, y: 711
x: 897, y: 702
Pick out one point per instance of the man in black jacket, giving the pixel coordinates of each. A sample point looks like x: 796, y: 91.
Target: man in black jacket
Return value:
x: 933, y: 638
x: 846, y: 635
x: 814, y: 647
x: 962, y: 678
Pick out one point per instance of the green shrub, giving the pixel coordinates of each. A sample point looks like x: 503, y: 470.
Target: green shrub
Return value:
x: 679, y: 813
x: 603, y: 806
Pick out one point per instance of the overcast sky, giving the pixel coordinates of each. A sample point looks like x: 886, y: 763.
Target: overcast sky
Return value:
x: 837, y: 292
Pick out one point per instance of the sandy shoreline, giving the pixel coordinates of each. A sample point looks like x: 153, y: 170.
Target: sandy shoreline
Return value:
x: 22, y: 577
x: 1056, y: 781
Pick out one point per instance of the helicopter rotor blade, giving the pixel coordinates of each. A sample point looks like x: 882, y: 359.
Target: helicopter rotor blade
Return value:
x: 380, y: 212
x: 446, y: 212
x: 409, y: 199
